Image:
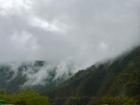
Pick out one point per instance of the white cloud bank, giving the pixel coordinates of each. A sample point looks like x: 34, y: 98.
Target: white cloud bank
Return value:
x: 84, y: 31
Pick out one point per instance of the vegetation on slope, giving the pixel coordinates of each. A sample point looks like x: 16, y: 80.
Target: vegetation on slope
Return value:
x: 110, y: 83
x: 24, y: 98
x: 120, y: 78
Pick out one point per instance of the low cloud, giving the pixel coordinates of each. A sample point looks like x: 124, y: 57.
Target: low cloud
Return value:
x: 80, y: 30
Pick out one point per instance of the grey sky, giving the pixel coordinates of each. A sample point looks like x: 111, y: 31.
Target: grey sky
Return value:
x: 83, y: 31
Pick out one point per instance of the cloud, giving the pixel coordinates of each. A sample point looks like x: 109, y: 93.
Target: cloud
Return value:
x: 84, y: 31
x: 55, y: 26
x: 48, y: 73
x: 14, y: 6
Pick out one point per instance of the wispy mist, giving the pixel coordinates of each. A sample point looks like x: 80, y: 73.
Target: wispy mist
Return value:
x: 37, y: 73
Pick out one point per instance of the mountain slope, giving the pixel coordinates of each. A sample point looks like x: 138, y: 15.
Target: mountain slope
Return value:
x: 38, y: 75
x: 118, y: 78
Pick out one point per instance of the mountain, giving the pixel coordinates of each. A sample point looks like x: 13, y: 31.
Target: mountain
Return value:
x: 120, y: 77
x: 38, y: 75
x: 114, y: 82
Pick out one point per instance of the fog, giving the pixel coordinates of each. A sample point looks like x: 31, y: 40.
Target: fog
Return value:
x: 82, y: 31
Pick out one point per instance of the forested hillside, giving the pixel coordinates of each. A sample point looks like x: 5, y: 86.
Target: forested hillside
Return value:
x: 120, y: 78
x: 114, y: 82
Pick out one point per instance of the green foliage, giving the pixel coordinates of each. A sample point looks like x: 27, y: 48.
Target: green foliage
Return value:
x: 25, y: 98
x: 77, y: 101
x: 107, y: 100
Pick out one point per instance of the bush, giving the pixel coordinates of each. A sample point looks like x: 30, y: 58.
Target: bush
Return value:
x: 25, y: 98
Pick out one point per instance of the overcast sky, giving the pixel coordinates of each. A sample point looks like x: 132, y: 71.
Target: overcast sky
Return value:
x: 83, y: 31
